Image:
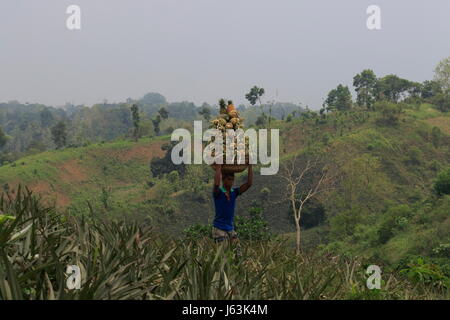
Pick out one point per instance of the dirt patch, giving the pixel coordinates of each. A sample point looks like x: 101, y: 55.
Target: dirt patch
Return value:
x: 142, y: 152
x: 72, y: 171
x: 45, y: 190
x: 442, y: 123
x: 41, y: 187
x: 294, y: 140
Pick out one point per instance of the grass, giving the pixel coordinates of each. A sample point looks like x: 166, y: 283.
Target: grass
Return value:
x: 423, y: 111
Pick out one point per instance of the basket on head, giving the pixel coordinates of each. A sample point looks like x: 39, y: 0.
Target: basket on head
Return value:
x: 235, y: 168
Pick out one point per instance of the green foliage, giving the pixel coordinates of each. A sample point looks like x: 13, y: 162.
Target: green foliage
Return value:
x: 123, y: 260
x: 105, y: 197
x: 196, y: 232
x: 205, y: 111
x: 163, y: 113
x: 365, y: 86
x: 442, y: 250
x: 153, y: 98
x: 3, y: 138
x: 255, y: 95
x: 414, y: 156
x: 430, y: 89
x: 313, y: 215
x: 261, y: 120
x: 391, y: 88
x: 156, y: 124
x: 395, y: 219
x: 136, y: 121
x: 442, y: 74
x: 196, y: 178
x: 165, y: 165
x: 442, y: 183
x: 390, y: 113
x: 59, y: 134
x: 442, y: 101
x: 173, y: 177
x: 289, y: 117
x: 253, y: 227
x: 339, y: 99
x: 426, y: 273
x: 436, y: 137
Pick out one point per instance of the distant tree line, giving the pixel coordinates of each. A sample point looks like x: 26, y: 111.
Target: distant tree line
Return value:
x: 391, y: 88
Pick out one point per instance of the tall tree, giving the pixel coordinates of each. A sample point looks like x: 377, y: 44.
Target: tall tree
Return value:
x: 254, y: 96
x: 391, y: 88
x: 59, y: 134
x: 205, y: 111
x: 365, y: 85
x: 156, y: 124
x: 339, y: 99
x: 430, y: 89
x: 442, y: 74
x: 46, y: 118
x: 304, y: 181
x: 3, y: 138
x: 136, y: 121
x: 153, y: 98
x: 163, y: 113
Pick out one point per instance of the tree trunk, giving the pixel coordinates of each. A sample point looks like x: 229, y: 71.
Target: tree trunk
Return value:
x: 298, y: 239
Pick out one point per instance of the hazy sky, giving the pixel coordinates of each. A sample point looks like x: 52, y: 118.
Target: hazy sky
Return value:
x: 201, y: 50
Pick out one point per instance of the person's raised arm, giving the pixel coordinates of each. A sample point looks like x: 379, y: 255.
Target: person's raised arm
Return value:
x: 249, y: 182
x: 217, y: 177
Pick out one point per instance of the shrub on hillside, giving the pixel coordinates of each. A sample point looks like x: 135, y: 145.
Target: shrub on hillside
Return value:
x: 420, y: 271
x: 165, y: 165
x: 396, y: 219
x: 253, y: 227
x: 442, y: 102
x: 442, y: 183
x: 197, y: 231
x: 390, y: 113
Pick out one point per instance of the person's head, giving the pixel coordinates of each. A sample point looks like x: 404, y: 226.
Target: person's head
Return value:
x: 228, y: 180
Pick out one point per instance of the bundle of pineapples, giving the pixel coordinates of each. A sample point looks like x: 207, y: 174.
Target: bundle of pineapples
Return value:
x: 229, y: 119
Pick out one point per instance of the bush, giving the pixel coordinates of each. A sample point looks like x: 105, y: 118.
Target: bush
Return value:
x: 253, y: 227
x: 313, y: 215
x: 161, y: 166
x: 396, y: 219
x: 422, y: 272
x: 197, y: 231
x: 289, y: 118
x: 390, y: 113
x: 442, y: 101
x: 414, y: 156
x: 442, y: 184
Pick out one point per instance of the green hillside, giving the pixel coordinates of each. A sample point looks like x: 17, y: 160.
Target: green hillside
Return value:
x: 71, y: 176
x: 384, y: 170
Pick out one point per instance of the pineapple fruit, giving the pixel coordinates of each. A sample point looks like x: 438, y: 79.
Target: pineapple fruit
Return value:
x: 229, y: 119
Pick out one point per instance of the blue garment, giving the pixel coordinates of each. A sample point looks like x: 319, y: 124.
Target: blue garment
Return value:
x: 225, y: 208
